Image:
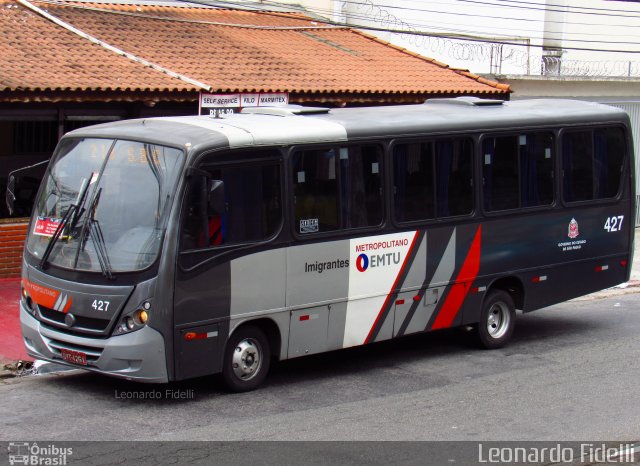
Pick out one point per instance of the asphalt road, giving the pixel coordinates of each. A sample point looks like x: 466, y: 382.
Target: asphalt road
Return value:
x: 570, y: 373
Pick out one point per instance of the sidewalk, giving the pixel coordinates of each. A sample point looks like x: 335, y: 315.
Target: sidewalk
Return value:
x: 12, y: 348
x: 11, y: 345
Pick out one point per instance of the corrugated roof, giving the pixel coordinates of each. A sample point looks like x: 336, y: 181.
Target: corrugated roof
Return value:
x: 226, y: 50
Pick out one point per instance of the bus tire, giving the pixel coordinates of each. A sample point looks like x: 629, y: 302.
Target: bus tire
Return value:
x: 497, y: 320
x: 246, y: 359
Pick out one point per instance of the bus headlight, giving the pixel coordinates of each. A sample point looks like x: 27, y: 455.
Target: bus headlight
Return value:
x: 26, y: 299
x: 133, y: 321
x: 129, y: 323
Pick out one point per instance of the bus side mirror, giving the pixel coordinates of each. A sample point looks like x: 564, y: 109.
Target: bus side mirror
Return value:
x: 215, y: 200
x: 10, y: 197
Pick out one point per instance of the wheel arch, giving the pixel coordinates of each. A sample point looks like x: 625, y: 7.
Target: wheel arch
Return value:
x: 512, y: 285
x: 270, y: 329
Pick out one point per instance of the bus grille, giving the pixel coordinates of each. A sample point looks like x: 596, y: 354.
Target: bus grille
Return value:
x: 93, y: 354
x: 82, y: 323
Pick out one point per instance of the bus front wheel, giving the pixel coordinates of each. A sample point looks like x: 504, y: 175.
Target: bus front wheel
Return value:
x: 497, y: 320
x: 246, y: 360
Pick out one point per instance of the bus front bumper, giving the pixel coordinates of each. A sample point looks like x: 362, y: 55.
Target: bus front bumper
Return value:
x: 138, y: 355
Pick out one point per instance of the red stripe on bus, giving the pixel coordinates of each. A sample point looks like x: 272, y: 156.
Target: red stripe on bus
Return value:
x: 393, y: 287
x: 457, y: 294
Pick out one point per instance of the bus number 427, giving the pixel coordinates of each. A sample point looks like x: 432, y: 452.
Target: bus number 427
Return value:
x: 614, y: 223
x: 100, y: 305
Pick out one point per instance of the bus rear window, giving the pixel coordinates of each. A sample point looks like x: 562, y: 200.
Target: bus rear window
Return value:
x: 592, y: 164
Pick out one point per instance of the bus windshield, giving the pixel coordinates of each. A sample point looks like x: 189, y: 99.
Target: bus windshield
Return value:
x: 104, y: 205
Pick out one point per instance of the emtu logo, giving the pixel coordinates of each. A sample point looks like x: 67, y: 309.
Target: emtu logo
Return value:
x: 377, y: 260
x: 362, y: 263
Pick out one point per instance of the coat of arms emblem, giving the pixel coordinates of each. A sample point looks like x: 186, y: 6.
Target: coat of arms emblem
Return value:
x: 573, y: 229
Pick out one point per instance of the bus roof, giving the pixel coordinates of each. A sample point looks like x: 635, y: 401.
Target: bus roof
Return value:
x: 291, y: 125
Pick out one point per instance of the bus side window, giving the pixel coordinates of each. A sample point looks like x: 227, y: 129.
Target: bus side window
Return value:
x: 337, y: 188
x: 454, y: 177
x: 517, y: 170
x: 315, y: 191
x: 433, y: 179
x: 592, y: 163
x: 537, y: 157
x: 577, y: 163
x: 500, y: 173
x: 195, y: 217
x: 413, y: 178
x: 252, y: 207
x: 252, y: 199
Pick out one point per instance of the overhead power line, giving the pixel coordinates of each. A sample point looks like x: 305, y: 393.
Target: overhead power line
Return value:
x: 535, y: 34
x: 560, y: 8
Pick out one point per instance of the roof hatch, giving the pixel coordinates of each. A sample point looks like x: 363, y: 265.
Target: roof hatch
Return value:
x: 286, y: 110
x: 466, y: 101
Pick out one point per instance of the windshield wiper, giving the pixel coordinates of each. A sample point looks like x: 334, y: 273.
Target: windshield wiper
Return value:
x: 101, y: 250
x: 95, y: 233
x: 73, y: 210
x: 80, y: 203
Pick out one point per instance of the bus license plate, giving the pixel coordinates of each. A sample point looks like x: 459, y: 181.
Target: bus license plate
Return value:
x: 74, y: 357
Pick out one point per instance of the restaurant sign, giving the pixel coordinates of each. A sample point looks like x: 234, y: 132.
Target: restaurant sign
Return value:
x: 221, y: 104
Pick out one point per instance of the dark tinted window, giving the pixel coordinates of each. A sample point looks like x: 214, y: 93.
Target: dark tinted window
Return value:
x: 250, y: 206
x: 536, y: 169
x: 337, y: 188
x: 517, y: 171
x: 592, y: 163
x: 432, y: 179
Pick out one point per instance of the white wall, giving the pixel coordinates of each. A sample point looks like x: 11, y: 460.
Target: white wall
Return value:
x: 451, y: 18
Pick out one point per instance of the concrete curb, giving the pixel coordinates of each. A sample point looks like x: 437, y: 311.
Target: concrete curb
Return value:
x: 15, y: 369
x: 629, y: 287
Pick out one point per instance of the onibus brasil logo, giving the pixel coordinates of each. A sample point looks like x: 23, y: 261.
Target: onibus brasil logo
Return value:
x: 33, y: 454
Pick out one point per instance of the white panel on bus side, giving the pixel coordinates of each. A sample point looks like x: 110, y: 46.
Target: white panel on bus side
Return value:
x: 308, y: 331
x: 258, y: 283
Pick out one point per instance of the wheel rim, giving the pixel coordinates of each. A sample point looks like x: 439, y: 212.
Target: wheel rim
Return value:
x: 498, y: 320
x: 247, y: 359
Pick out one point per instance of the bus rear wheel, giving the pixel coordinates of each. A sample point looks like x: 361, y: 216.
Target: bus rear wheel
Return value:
x: 246, y: 360
x: 497, y: 320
